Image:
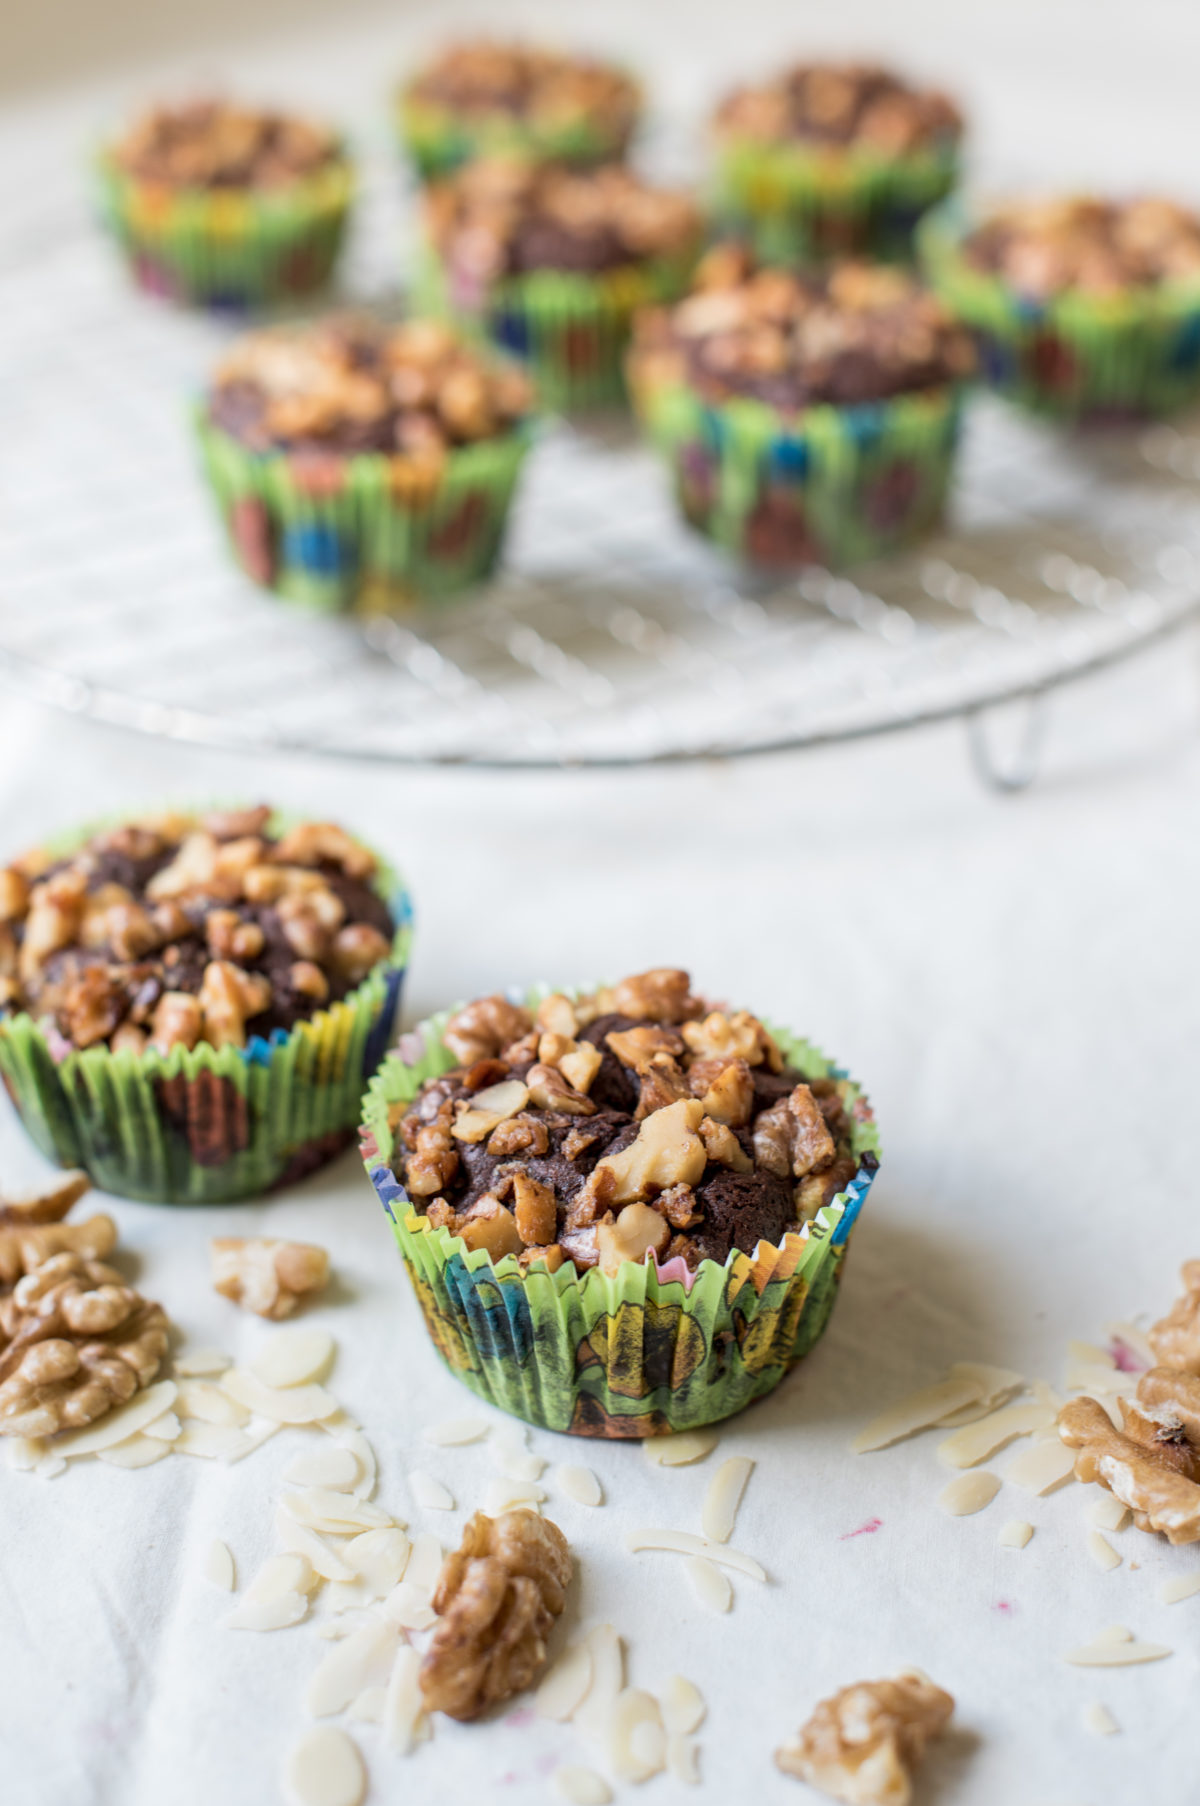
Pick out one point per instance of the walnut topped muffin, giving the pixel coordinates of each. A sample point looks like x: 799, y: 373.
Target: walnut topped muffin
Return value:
x: 840, y: 104
x: 636, y: 1119
x: 1097, y: 247
x: 217, y: 144
x: 479, y: 95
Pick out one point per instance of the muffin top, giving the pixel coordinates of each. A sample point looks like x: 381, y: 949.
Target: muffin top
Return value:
x: 856, y: 333
x: 636, y: 1118
x: 545, y: 87
x: 841, y: 106
x: 189, y: 928
x: 353, y: 384
x: 1046, y: 248
x: 505, y: 216
x: 214, y: 144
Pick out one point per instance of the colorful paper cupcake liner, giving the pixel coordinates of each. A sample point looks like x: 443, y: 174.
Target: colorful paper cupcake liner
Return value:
x: 645, y: 1352
x: 571, y: 331
x: 1077, y: 356
x: 828, y: 486
x: 209, y: 1125
x: 796, y: 204
x: 439, y: 139
x: 235, y: 249
x: 349, y: 533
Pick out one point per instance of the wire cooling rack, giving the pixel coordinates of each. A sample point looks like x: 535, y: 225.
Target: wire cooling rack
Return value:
x: 612, y: 635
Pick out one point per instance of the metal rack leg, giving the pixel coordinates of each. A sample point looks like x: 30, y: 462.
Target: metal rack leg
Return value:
x: 1016, y: 765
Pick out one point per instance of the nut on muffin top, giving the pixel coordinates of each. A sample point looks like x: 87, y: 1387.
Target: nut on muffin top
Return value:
x: 215, y: 144
x: 850, y: 105
x: 546, y: 87
x: 1096, y: 247
x: 856, y: 333
x: 189, y: 928
x: 353, y: 384
x: 637, y: 1118
x: 504, y: 216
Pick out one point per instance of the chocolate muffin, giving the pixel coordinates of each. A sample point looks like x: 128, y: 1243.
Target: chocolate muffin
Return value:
x: 479, y: 96
x: 226, y: 205
x: 364, y: 466
x: 185, y: 953
x: 551, y: 263
x: 1042, y: 249
x: 807, y: 417
x: 829, y: 160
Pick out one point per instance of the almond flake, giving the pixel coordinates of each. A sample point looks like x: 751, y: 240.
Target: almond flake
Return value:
x: 456, y: 1432
x: 200, y: 1398
x: 24, y: 1452
x: 362, y: 1659
x: 681, y: 1542
x: 351, y: 1437
x: 1116, y: 1655
x: 637, y: 1743
x: 1015, y: 1534
x: 1108, y: 1513
x: 429, y: 1493
x: 1135, y: 1340
x: 608, y: 1678
x: 120, y: 1424
x: 506, y: 1495
x: 581, y: 1786
x: 138, y: 1451
x: 979, y: 1440
x: 368, y: 1707
x: 566, y: 1685
x: 712, y: 1588
x: 1099, y: 1720
x: 1089, y: 1354
x: 683, y: 1760
x: 291, y: 1573
x: 1045, y: 1394
x: 998, y: 1384
x: 208, y: 1441
x: 1171, y: 1592
x: 919, y: 1411
x: 410, y: 1607
x: 290, y: 1357
x: 719, y: 1512
x: 252, y: 1438
x: 51, y: 1466
x: 166, y: 1428
x: 1096, y: 1381
x: 334, y: 1513
x: 379, y: 1558
x: 202, y: 1363
x: 278, y: 1613
x: 681, y: 1449
x: 1114, y: 1633
x: 287, y: 1404
x: 1102, y: 1551
x: 969, y: 1493
x: 683, y: 1706
x: 218, y: 1567
x: 336, y: 1469
x: 1042, y: 1468
x: 298, y: 1540
x: 325, y: 1769
x: 403, y: 1706
x: 581, y: 1485
x: 425, y: 1562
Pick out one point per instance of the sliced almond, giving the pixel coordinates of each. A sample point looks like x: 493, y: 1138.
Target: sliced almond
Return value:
x: 362, y: 1659
x: 608, y: 1679
x: 208, y: 1441
x: 1046, y: 1395
x: 425, y: 1562
x: 379, y: 1558
x: 200, y: 1398
x: 1108, y: 1513
x: 1116, y: 1655
x: 1114, y: 1633
x: 1099, y: 1720
x: 293, y: 1356
x: 1135, y: 1340
x: 1097, y: 1382
x: 681, y: 1542
x: 429, y: 1493
x: 681, y: 1449
x: 335, y: 1468
x: 166, y: 1428
x: 1089, y: 1354
x: 279, y: 1613
x: 456, y: 1432
x: 138, y: 1451
x: 919, y: 1411
x: 718, y: 1514
x: 637, y: 1742
x: 334, y: 1513
x: 1102, y: 1551
x: 998, y: 1385
x: 202, y: 1363
x: 683, y: 1760
x: 1171, y: 1592
x: 52, y: 1465
x: 403, y: 1707
x: 969, y: 1493
x: 979, y: 1440
x: 297, y: 1539
x: 120, y: 1424
x: 505, y: 1495
x: 352, y: 1438
x: 712, y: 1588
x: 325, y: 1769
x: 566, y: 1685
x: 581, y: 1786
x: 410, y: 1607
x: 24, y: 1452
x: 368, y: 1707
x: 253, y: 1437
x: 290, y: 1573
x: 580, y: 1484
x: 683, y: 1706
x: 1015, y: 1534
x: 218, y: 1567
x: 1042, y: 1468
x: 282, y: 1404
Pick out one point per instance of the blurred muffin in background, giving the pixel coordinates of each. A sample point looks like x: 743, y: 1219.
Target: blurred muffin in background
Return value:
x: 552, y: 263
x: 480, y: 97
x: 830, y: 160
x: 1082, y: 307
x: 226, y: 206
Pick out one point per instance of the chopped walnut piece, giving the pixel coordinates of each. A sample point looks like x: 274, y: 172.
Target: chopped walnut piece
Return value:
x: 75, y: 1340
x: 662, y: 1083
x: 324, y: 843
x: 556, y: 1016
x: 577, y: 1140
x: 267, y: 1276
x: 229, y: 937
x: 552, y: 1255
x: 237, y: 824
x: 484, y: 1028
x: 535, y: 1210
x: 667, y: 1151
x: 519, y: 1135
x: 1160, y: 1498
x: 1164, y: 1435
x: 178, y: 1020
x: 791, y: 1139
x: 497, y: 1599
x: 357, y: 949
x: 550, y: 1090
x: 193, y: 868
x: 638, y: 1230
x: 580, y: 1064
x: 433, y: 1161
x: 23, y: 1247
x: 307, y: 978
x: 720, y: 1143
x: 490, y: 1224
x: 488, y: 1108
x: 861, y: 1745
x: 661, y: 995
x: 637, y: 1047
x: 45, y: 1206
x: 14, y: 894
x: 228, y: 997
x: 310, y: 918
x: 737, y: 1037
x: 1175, y: 1338
x: 93, y: 1006
x: 725, y: 1088
x: 54, y: 918
x: 1171, y: 1390
x: 678, y: 1205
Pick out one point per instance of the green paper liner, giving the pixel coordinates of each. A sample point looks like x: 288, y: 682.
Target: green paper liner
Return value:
x: 570, y: 331
x: 344, y: 533
x: 1075, y: 356
x: 227, y: 248
x: 645, y: 1352
x: 797, y: 203
x: 209, y: 1125
x: 828, y: 486
x: 439, y: 138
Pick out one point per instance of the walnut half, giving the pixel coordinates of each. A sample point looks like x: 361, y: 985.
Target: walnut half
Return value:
x: 497, y: 1598
x: 1175, y: 1339
x: 266, y: 1276
x: 1150, y: 1463
x: 862, y: 1744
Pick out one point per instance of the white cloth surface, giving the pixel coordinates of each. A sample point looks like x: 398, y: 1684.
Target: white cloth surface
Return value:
x: 1014, y: 981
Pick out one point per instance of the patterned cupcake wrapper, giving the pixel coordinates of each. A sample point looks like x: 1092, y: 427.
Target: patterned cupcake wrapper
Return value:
x: 829, y: 486
x: 439, y: 140
x: 647, y: 1351
x: 232, y: 250
x: 571, y: 331
x: 209, y: 1125
x: 1077, y: 356
x: 796, y: 205
x: 348, y: 534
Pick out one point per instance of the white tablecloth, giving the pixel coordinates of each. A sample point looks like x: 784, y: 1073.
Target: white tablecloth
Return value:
x: 1014, y: 979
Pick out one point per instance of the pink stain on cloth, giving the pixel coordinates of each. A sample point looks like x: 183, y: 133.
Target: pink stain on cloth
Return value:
x: 867, y: 1529
x: 1006, y: 1607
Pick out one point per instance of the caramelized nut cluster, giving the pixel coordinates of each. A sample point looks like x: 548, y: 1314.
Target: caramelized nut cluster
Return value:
x: 214, y: 144
x: 180, y: 929
x: 543, y: 87
x: 504, y: 216
x: 841, y: 104
x: 1094, y: 247
x: 637, y: 1119
x: 351, y: 384
x: 862, y: 1744
x: 858, y: 333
